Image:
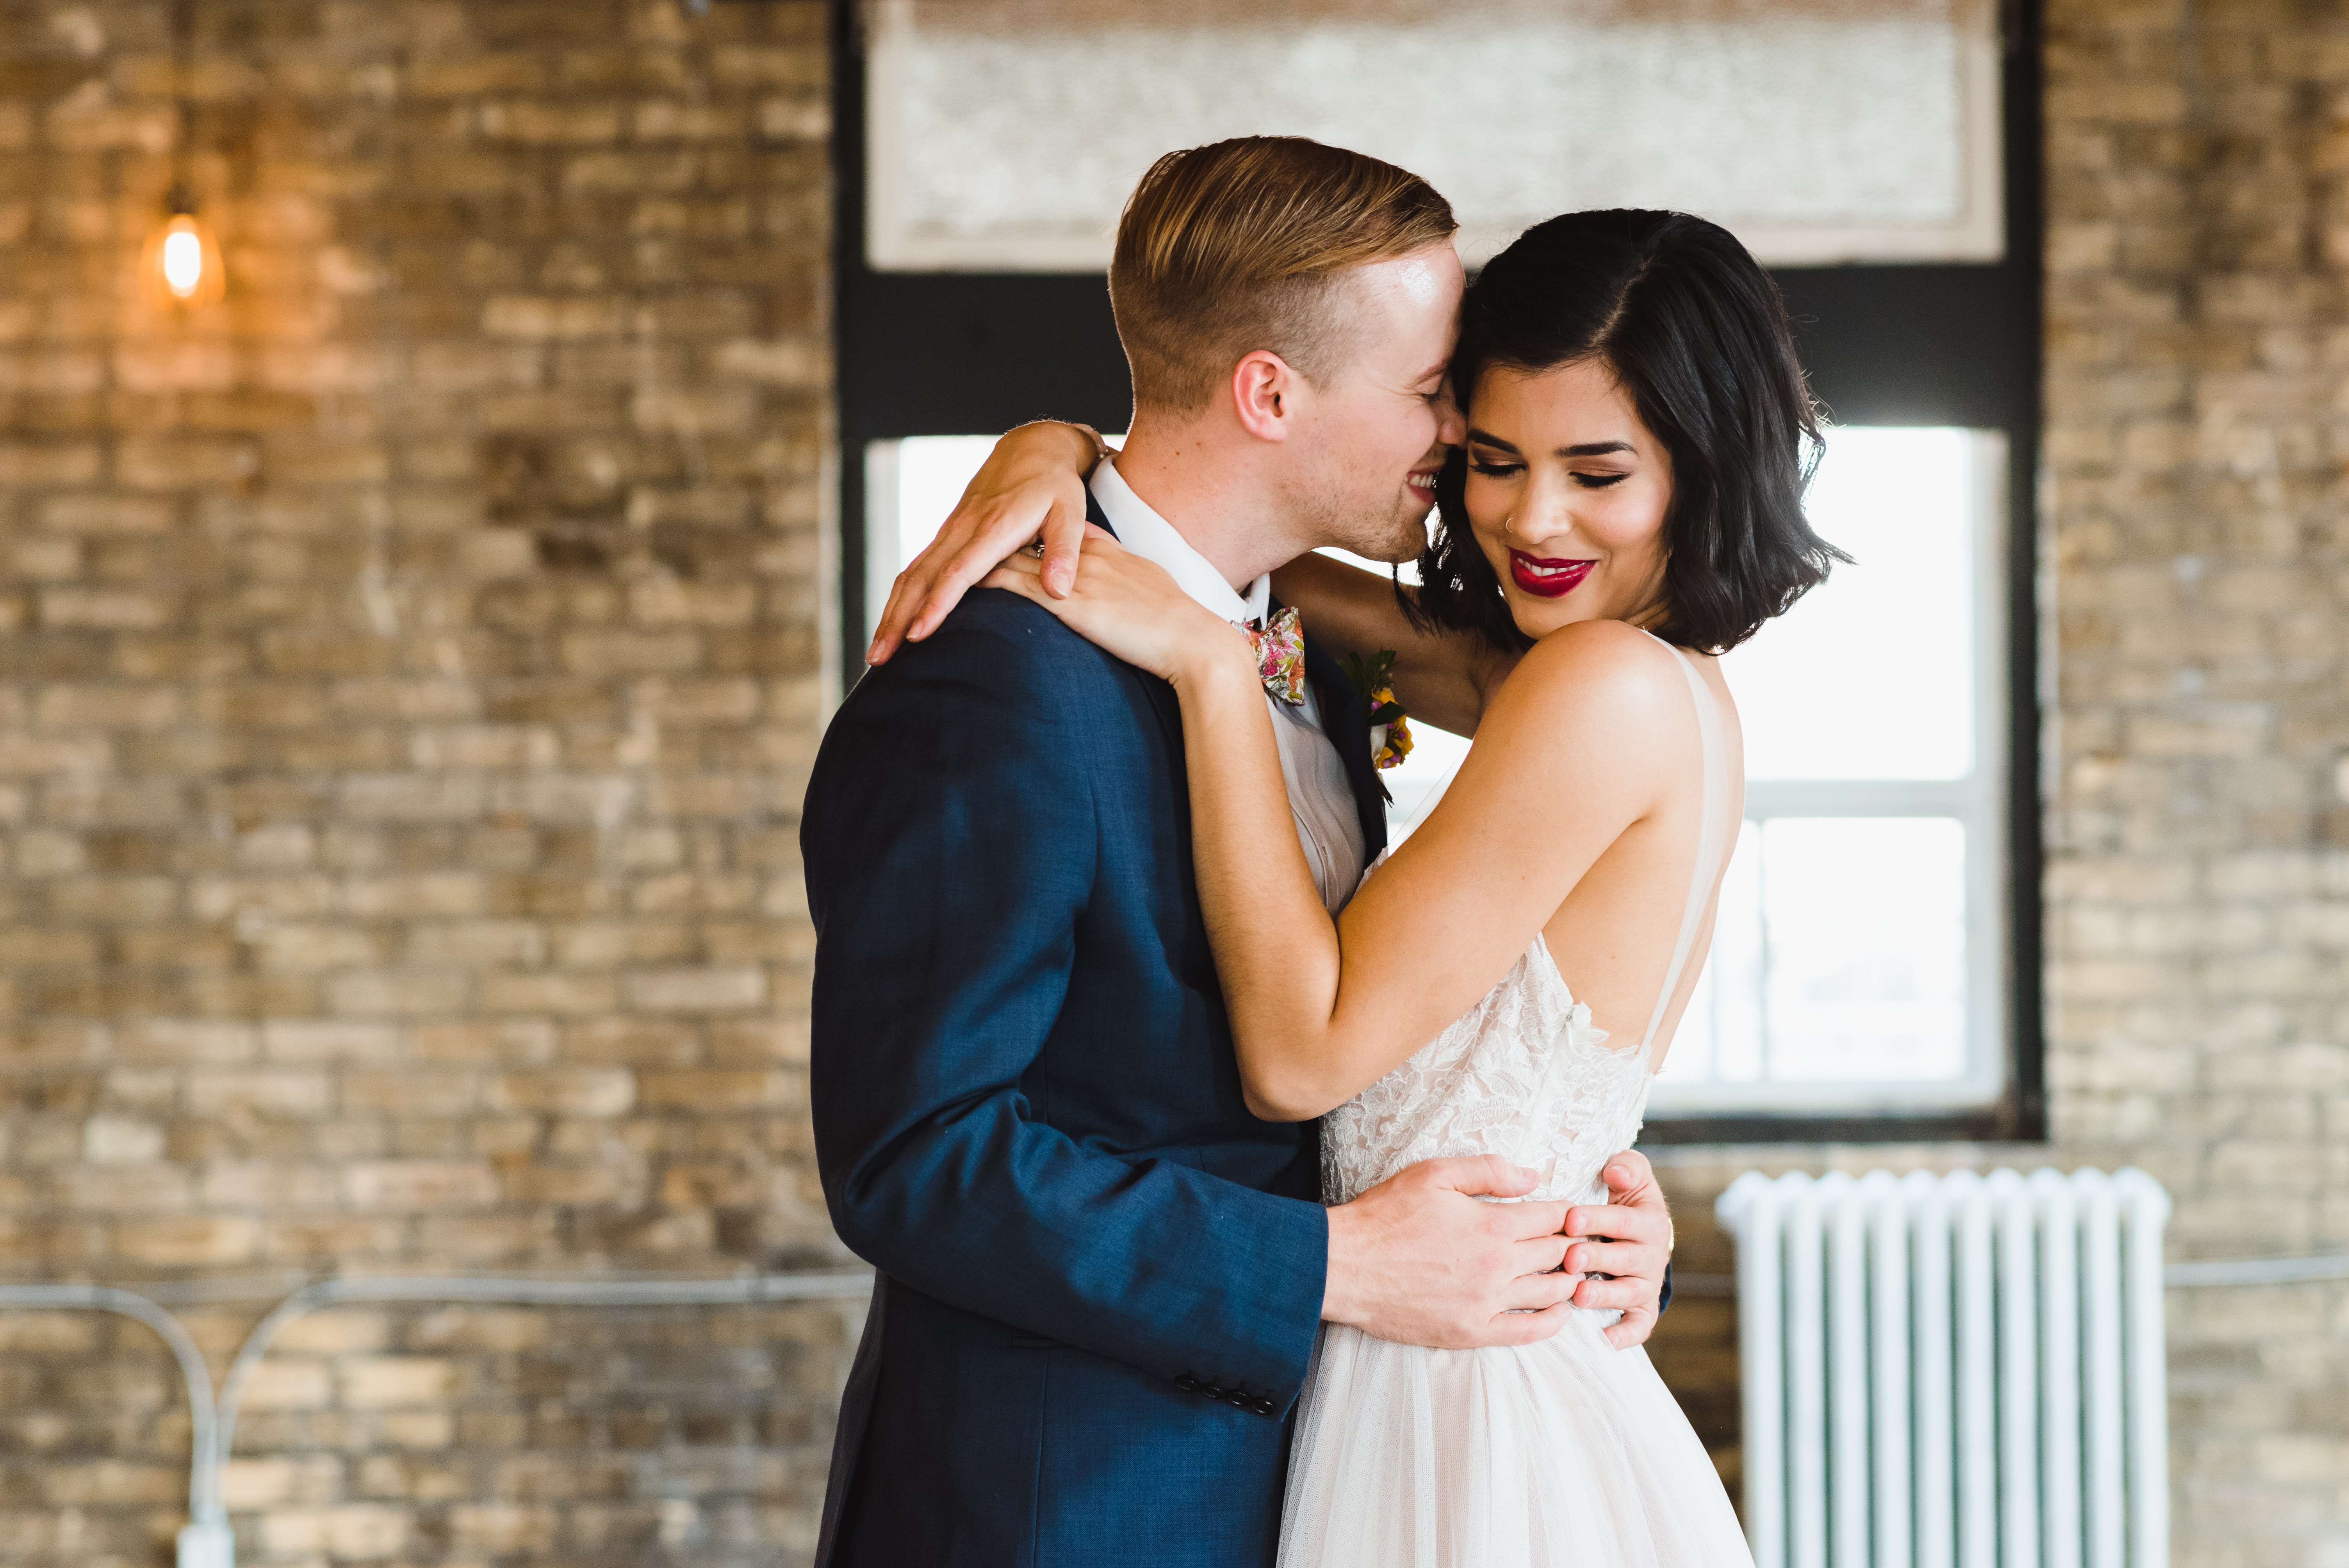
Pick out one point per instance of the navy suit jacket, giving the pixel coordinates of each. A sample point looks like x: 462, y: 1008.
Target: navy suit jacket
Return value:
x: 1099, y: 1276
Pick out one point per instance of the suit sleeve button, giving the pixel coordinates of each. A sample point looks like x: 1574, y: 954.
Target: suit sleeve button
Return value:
x: 1263, y: 1406
x: 1212, y: 1392
x: 1238, y: 1400
x: 1188, y: 1384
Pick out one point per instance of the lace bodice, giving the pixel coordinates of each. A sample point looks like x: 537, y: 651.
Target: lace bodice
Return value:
x: 1524, y: 1074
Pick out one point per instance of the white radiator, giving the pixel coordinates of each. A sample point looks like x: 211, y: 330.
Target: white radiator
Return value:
x: 1955, y: 1371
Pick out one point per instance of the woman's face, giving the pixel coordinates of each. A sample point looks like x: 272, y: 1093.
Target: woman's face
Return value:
x: 1566, y: 494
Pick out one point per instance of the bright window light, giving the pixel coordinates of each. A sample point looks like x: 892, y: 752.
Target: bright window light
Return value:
x: 1857, y: 956
x: 1896, y: 500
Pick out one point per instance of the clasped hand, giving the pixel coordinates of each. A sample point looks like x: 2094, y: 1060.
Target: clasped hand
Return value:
x: 1420, y: 1260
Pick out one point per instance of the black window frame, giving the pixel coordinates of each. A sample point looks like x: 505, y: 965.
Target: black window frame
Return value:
x: 931, y: 354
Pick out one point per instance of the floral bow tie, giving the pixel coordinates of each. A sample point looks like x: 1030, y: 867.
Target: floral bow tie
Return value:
x: 1280, y: 654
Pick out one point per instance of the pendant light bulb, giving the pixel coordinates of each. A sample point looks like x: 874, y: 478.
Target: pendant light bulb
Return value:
x: 182, y: 269
x: 184, y: 258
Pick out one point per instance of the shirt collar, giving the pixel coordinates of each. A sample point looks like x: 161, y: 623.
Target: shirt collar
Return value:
x: 1141, y: 529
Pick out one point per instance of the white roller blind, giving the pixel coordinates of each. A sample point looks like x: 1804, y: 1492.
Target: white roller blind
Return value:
x: 1006, y: 134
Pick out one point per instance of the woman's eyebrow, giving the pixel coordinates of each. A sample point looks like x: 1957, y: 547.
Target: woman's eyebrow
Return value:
x: 1587, y: 450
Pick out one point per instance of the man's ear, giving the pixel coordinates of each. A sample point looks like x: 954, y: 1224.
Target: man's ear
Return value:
x: 1264, y: 392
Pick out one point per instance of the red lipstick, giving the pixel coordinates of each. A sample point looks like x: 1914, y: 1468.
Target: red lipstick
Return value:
x: 1547, y: 579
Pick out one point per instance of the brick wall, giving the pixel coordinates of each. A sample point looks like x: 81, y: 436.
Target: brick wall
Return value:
x: 2198, y: 889
x: 407, y: 675
x: 2198, y: 901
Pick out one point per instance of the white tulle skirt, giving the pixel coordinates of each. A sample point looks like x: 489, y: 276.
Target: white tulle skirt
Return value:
x: 1565, y: 1454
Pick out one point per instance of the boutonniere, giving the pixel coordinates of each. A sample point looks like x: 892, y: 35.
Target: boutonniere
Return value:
x: 1389, y: 725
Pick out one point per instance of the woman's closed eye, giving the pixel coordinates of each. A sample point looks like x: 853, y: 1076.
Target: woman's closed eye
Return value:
x: 1500, y: 470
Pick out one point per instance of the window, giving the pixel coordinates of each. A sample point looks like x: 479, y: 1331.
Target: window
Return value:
x: 910, y: 486
x: 1882, y: 156
x: 1859, y: 954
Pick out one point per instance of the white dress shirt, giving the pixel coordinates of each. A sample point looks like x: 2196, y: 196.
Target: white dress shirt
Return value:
x: 1319, y: 799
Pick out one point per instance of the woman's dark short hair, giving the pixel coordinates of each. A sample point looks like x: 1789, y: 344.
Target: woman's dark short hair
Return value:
x: 1697, y: 333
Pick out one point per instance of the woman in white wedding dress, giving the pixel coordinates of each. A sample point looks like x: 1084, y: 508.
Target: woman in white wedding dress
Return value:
x: 1507, y: 982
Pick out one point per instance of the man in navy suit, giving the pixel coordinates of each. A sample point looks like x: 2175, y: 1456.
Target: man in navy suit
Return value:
x: 1100, y: 1278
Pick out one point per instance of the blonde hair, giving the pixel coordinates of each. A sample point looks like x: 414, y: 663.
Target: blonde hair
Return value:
x: 1244, y: 245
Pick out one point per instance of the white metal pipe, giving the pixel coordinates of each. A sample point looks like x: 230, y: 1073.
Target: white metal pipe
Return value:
x: 1890, y: 1350
x: 2105, y: 1523
x: 205, y: 1542
x: 193, y: 1372
x: 1848, y: 1434
x: 1750, y: 1208
x: 1936, y: 1518
x: 518, y: 1290
x: 2257, y: 1270
x: 1807, y: 1401
x: 2059, y: 1369
x: 1977, y: 1374
x: 2147, y: 1207
x: 2018, y: 1372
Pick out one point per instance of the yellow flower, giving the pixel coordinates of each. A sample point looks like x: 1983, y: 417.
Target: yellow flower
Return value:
x: 1397, y: 744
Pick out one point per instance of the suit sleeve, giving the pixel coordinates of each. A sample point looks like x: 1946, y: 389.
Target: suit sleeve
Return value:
x: 951, y: 846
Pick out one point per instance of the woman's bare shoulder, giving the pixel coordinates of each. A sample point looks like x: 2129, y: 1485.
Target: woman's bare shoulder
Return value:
x: 1597, y: 692
x: 1597, y: 670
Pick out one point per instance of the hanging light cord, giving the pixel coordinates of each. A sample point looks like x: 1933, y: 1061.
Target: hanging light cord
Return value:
x: 182, y: 197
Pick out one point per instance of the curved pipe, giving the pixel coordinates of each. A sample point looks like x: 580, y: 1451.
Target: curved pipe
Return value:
x: 202, y: 1482
x: 206, y: 1541
x: 220, y: 1435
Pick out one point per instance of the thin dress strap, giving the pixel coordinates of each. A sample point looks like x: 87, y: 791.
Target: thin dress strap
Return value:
x: 1709, y: 847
